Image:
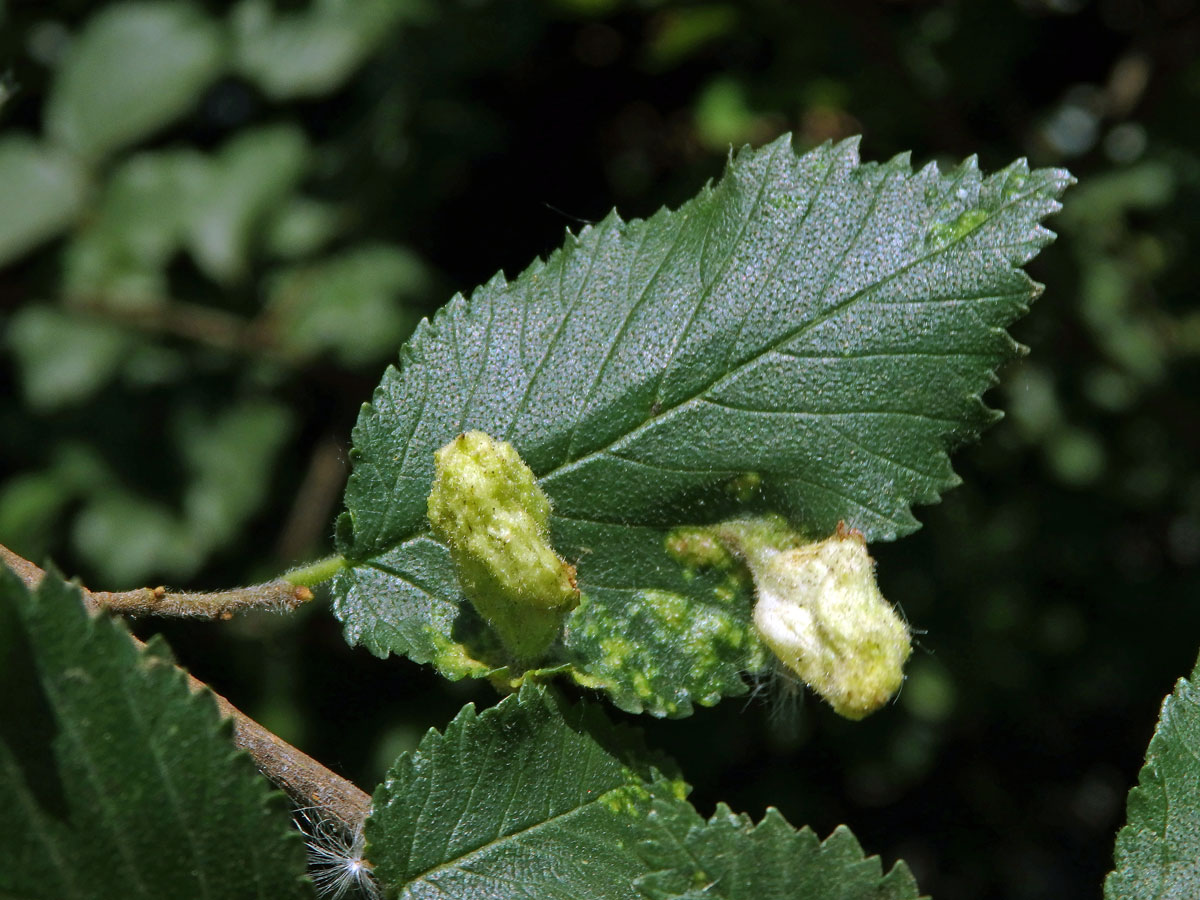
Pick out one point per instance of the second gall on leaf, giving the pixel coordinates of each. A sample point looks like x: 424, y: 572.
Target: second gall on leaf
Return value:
x: 820, y: 611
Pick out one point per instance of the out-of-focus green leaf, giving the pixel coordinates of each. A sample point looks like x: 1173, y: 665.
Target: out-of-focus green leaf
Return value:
x: 135, y: 68
x: 63, y: 358
x: 244, y: 184
x: 231, y: 457
x: 116, y: 780
x: 119, y: 257
x: 1110, y: 307
x: 817, y: 327
x: 126, y: 539
x: 31, y: 503
x: 301, y: 227
x: 588, y: 8
x: 351, y: 306
x: 41, y: 191
x: 311, y: 53
x: 1116, y: 274
x: 1158, y: 850
x: 156, y: 204
x: 1106, y: 197
x: 683, y: 31
x: 723, y: 114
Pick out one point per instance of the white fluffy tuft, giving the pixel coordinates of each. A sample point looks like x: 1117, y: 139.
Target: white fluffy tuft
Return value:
x: 335, y: 858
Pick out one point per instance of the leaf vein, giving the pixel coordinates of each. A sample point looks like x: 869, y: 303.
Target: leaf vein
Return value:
x: 560, y: 327
x: 630, y: 312
x: 802, y: 328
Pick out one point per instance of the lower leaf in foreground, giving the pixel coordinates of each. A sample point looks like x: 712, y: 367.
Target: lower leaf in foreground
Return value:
x: 730, y: 857
x: 539, y: 798
x: 116, y: 780
x: 1157, y: 851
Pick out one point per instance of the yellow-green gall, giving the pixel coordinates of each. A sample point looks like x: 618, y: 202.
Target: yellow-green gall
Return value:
x: 486, y: 505
x: 820, y: 610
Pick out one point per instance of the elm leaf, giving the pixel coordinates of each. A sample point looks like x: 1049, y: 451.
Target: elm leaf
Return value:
x: 116, y: 780
x: 538, y: 797
x: 1158, y: 848
x: 810, y: 335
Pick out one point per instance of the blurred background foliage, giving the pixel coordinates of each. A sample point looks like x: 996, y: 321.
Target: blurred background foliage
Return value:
x: 219, y: 221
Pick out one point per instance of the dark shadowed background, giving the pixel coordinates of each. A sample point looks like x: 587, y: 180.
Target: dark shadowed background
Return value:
x: 205, y: 274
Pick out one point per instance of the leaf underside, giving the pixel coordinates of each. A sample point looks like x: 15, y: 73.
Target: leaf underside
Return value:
x: 116, y: 780
x: 810, y: 335
x: 1158, y: 851
x: 536, y: 798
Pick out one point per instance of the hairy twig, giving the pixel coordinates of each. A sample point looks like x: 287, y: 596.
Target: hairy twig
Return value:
x: 274, y: 596
x: 304, y: 779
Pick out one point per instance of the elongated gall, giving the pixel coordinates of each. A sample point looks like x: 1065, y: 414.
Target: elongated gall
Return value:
x: 486, y: 505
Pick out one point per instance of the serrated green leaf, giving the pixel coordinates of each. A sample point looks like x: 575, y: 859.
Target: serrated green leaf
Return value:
x: 531, y: 798
x: 539, y: 798
x: 1157, y: 851
x: 730, y: 857
x: 135, y: 68
x: 41, y: 192
x: 823, y: 325
x: 115, y: 779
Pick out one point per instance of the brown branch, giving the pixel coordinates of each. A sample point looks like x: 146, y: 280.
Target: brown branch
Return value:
x: 275, y: 596
x: 299, y: 775
x: 315, y: 498
x: 190, y: 321
x: 296, y: 773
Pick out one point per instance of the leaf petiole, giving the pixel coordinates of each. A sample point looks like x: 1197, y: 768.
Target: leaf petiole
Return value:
x: 315, y: 573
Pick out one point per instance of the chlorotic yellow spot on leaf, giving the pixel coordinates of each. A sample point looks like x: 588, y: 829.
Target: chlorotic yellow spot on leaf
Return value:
x: 944, y: 233
x: 668, y: 607
x: 663, y: 650
x: 617, y: 650
x: 454, y: 659
x: 698, y: 548
x: 629, y: 800
x: 744, y: 487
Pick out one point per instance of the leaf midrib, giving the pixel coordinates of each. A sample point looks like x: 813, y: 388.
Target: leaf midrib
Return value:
x: 72, y: 735
x: 798, y: 331
x: 35, y: 815
x: 801, y: 328
x: 458, y: 861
